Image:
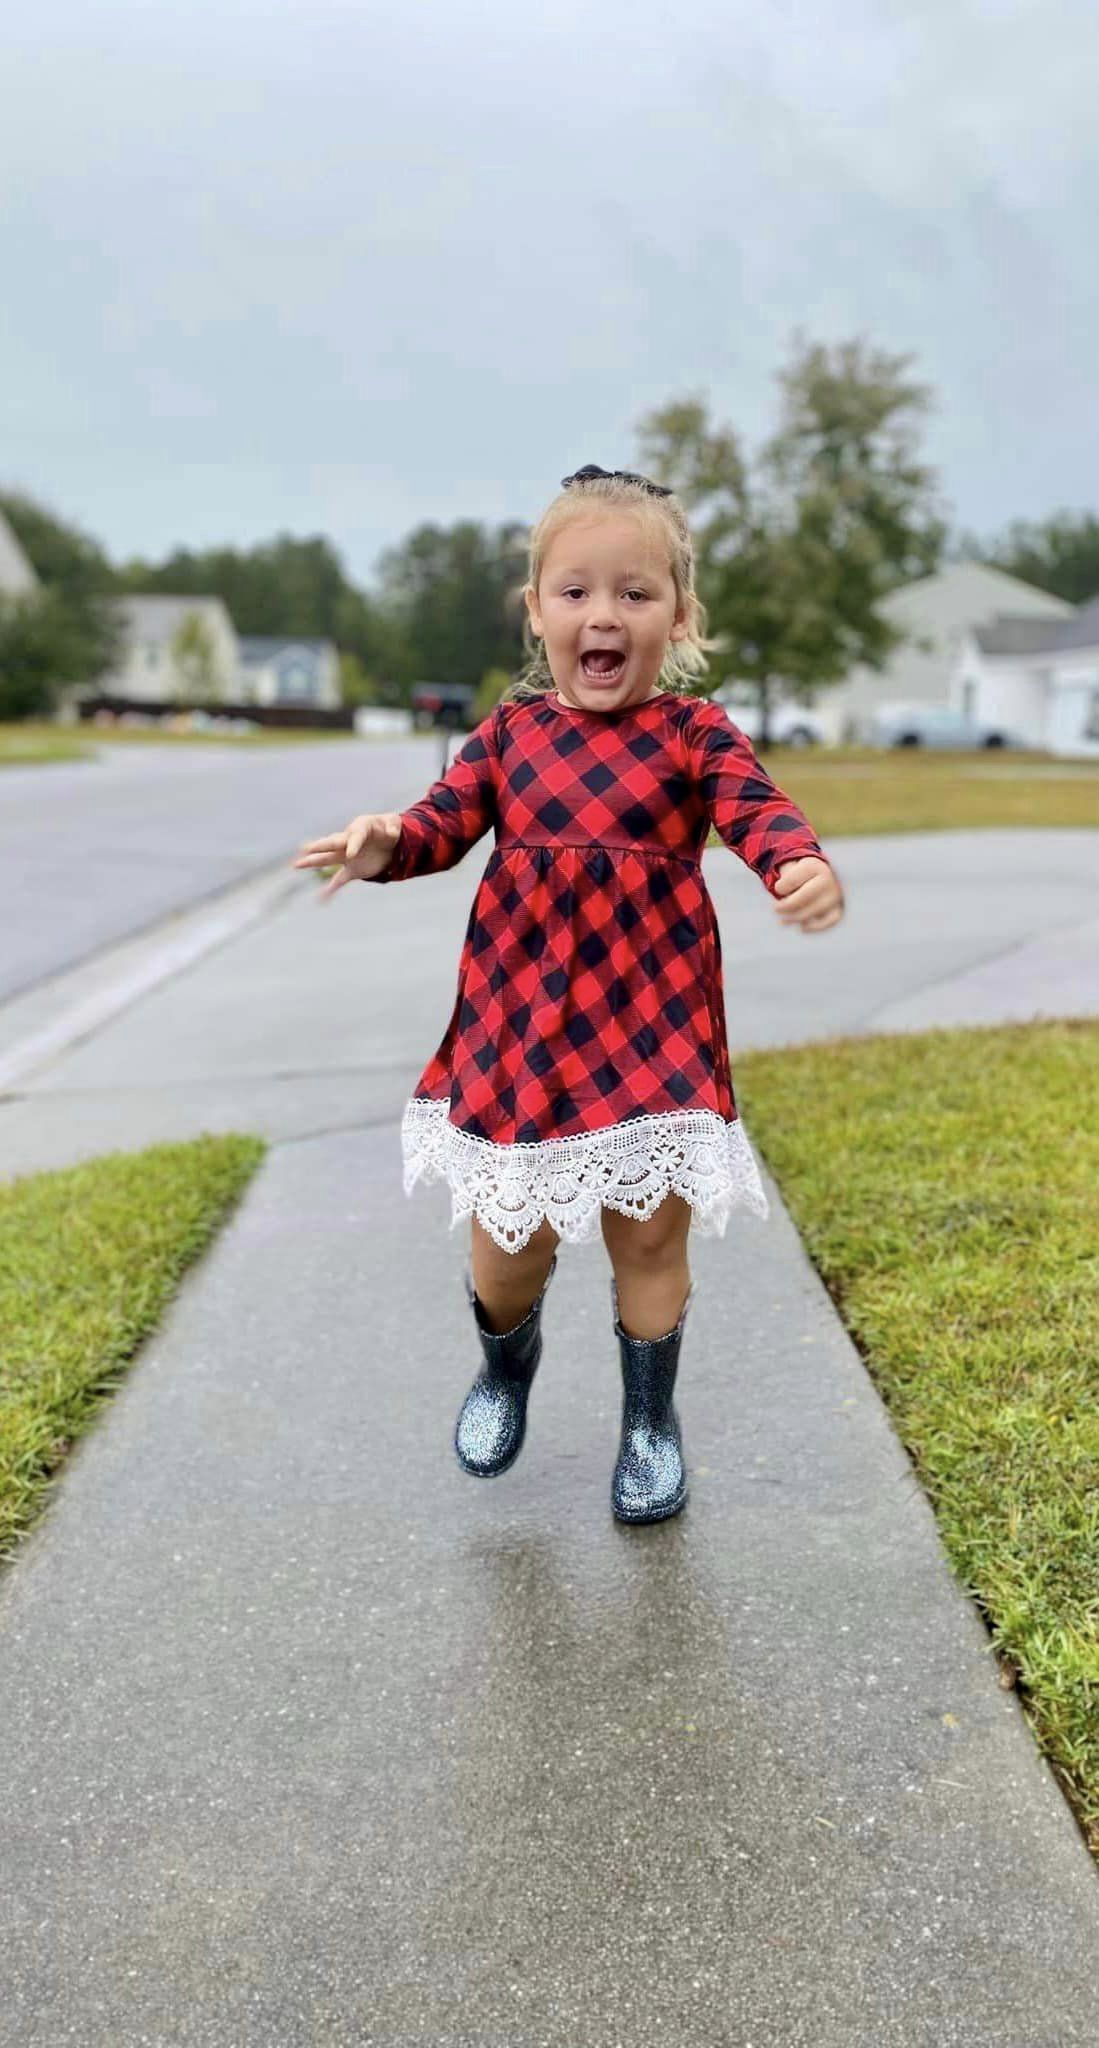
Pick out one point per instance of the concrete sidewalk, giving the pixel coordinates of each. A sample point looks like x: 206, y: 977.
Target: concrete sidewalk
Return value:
x: 310, y: 1738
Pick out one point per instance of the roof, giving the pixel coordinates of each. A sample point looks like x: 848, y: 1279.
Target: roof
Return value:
x: 1007, y: 636
x: 965, y: 593
x: 258, y: 647
x: 16, y: 574
x: 150, y: 616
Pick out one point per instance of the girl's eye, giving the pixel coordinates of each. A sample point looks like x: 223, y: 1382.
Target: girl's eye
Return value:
x: 575, y: 591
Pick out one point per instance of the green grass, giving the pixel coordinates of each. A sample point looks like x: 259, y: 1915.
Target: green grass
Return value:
x: 264, y: 736
x: 90, y: 1256
x: 945, y: 1184
x: 36, y: 741
x: 30, y: 743
x: 855, y: 790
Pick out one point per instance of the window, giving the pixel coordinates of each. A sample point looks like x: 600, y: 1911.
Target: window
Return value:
x: 297, y: 681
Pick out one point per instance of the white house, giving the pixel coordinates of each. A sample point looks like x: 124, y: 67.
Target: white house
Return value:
x: 17, y: 578
x: 174, y: 647
x: 939, y: 611
x: 1038, y: 678
x: 278, y: 671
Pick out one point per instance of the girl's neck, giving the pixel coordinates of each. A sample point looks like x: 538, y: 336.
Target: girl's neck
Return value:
x: 618, y: 707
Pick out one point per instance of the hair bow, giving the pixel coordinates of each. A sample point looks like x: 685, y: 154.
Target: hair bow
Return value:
x: 592, y: 469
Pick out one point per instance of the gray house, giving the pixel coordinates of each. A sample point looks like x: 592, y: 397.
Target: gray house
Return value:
x: 278, y: 671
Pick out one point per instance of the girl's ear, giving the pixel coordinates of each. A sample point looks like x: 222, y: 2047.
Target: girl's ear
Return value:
x: 532, y: 608
x: 681, y: 624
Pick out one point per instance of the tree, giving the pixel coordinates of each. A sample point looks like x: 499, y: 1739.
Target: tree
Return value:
x: 41, y: 647
x: 448, y: 592
x: 489, y: 691
x: 795, y: 551
x: 68, y: 632
x: 194, y: 658
x: 1059, y: 554
x: 356, y: 686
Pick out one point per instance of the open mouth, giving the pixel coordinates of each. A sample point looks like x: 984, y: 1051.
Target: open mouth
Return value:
x: 602, y: 665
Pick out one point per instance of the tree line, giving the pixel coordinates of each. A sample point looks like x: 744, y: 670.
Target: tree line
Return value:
x: 796, y: 544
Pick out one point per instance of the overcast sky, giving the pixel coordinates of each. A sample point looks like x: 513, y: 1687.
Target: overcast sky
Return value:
x: 340, y: 267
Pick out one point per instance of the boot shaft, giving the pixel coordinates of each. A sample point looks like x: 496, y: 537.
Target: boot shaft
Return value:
x: 649, y: 1367
x: 512, y: 1353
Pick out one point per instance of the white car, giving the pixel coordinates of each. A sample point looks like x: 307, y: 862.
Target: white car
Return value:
x: 789, y: 724
x: 930, y: 725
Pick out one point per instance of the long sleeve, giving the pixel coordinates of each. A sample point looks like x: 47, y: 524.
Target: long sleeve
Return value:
x: 755, y: 818
x: 457, y: 810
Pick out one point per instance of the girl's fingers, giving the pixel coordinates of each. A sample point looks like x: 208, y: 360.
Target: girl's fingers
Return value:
x: 337, y: 882
x: 358, y: 832
x: 319, y: 860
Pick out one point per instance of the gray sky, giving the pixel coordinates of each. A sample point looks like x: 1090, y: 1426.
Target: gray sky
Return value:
x: 337, y: 267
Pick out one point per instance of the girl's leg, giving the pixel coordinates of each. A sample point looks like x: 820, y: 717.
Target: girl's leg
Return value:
x: 509, y: 1283
x: 650, y: 1266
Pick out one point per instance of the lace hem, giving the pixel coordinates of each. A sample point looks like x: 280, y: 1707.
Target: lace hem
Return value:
x: 629, y: 1167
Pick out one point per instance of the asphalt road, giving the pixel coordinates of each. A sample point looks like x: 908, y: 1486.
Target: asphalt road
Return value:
x: 102, y: 849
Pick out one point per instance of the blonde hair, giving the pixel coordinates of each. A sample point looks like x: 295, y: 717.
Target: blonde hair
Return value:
x: 663, y: 521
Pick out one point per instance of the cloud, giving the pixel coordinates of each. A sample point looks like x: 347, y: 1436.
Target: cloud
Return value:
x: 308, y: 268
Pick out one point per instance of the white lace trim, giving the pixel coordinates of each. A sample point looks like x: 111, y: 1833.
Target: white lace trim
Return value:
x: 629, y: 1167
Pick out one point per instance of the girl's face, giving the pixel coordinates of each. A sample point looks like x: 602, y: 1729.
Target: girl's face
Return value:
x: 606, y: 606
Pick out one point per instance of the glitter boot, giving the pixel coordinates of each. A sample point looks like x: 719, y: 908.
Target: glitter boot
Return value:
x: 649, y: 1480
x: 493, y: 1420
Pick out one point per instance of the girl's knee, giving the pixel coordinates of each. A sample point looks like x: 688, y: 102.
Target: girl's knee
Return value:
x: 536, y: 1252
x: 663, y: 1235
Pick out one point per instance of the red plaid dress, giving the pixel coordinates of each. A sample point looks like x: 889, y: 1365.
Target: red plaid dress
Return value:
x: 585, y: 1061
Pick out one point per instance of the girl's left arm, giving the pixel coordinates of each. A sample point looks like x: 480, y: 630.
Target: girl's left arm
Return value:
x: 456, y: 811
x: 755, y: 818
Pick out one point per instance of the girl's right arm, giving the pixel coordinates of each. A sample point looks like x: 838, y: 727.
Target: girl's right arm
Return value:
x: 392, y: 846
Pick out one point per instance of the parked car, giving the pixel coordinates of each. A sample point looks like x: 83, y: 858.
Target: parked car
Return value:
x: 789, y: 724
x: 448, y: 706
x: 930, y: 725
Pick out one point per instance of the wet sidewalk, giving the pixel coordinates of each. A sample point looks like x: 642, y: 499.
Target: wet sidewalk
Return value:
x: 310, y: 1738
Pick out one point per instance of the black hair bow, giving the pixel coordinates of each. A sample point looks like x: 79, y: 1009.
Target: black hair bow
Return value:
x: 592, y: 469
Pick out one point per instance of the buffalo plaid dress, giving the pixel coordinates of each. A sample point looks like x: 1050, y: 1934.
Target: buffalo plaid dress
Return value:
x: 585, y: 1061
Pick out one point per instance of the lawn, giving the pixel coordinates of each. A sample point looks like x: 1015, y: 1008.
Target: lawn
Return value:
x: 90, y: 1257
x: 856, y: 790
x: 944, y: 1184
x: 34, y: 741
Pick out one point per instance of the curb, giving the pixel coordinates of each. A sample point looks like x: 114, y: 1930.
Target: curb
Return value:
x: 45, y: 1021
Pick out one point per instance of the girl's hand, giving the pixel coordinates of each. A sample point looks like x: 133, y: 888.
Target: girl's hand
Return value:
x: 813, y: 892
x: 361, y: 850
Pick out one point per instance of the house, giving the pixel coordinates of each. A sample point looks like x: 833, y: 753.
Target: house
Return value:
x: 174, y: 647
x: 279, y: 671
x: 1039, y: 678
x: 939, y: 611
x: 17, y: 578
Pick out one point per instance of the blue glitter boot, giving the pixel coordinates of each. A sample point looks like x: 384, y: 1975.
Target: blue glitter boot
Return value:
x: 492, y: 1424
x: 649, y: 1481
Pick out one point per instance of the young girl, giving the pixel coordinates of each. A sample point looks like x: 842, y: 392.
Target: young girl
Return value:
x: 583, y: 1080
